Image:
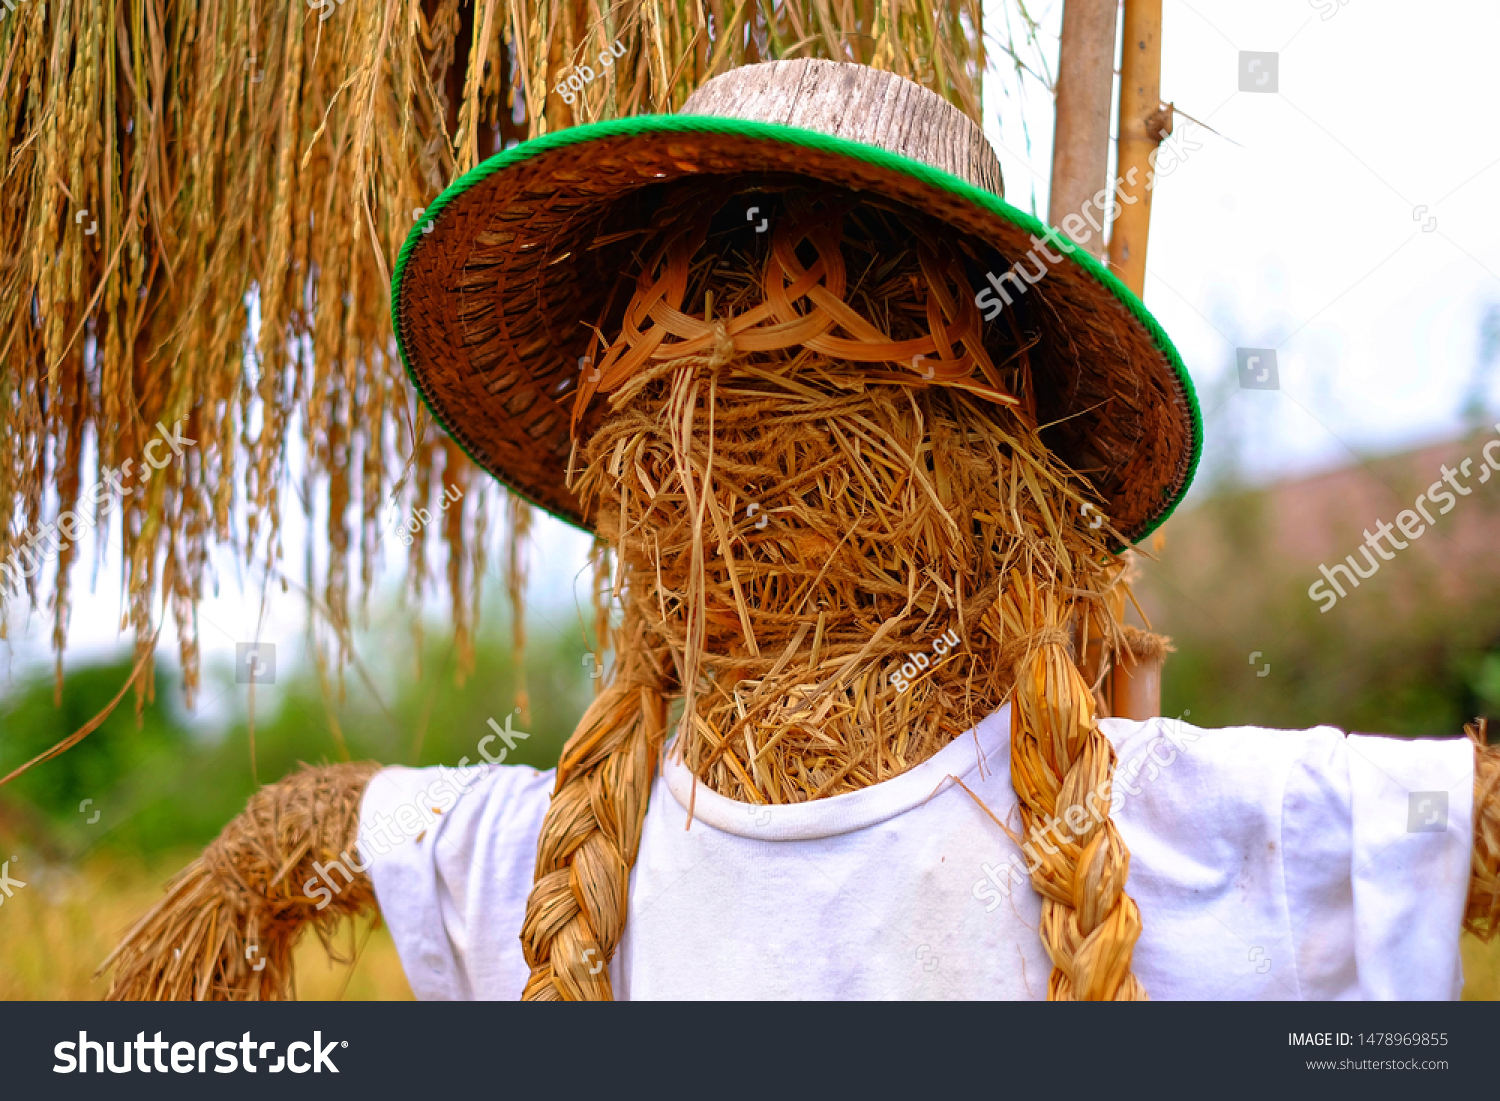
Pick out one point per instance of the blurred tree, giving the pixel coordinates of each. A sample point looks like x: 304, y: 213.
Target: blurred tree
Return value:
x: 167, y: 784
x: 98, y: 767
x: 1414, y: 650
x: 1476, y: 401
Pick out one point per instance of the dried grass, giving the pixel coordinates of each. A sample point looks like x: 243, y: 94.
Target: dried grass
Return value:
x: 252, y: 170
x: 229, y: 923
x: 791, y: 527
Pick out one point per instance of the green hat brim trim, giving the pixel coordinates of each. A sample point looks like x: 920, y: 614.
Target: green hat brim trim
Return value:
x: 642, y: 125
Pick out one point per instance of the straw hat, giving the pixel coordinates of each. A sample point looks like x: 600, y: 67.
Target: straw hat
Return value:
x: 497, y: 292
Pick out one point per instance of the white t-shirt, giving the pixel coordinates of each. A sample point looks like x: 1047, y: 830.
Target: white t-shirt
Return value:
x: 1267, y: 864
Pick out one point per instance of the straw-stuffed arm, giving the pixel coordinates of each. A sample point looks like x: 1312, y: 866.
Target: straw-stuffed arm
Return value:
x: 1482, y: 914
x: 226, y: 929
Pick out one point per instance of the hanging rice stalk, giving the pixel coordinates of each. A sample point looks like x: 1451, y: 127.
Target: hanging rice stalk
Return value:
x: 200, y: 211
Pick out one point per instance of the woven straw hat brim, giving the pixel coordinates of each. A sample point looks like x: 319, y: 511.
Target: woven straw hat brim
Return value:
x: 495, y: 288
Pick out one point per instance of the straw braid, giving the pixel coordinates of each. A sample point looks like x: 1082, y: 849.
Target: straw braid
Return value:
x: 591, y: 834
x: 1059, y: 758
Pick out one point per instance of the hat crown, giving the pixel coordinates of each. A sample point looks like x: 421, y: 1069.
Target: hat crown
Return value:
x: 856, y: 103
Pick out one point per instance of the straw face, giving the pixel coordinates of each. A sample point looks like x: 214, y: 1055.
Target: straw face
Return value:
x: 818, y: 553
x: 498, y: 303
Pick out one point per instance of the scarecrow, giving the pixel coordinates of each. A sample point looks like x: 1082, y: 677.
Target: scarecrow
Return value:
x: 864, y: 448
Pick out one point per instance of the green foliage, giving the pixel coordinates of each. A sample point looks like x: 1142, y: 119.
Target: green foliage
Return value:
x: 1414, y: 651
x: 117, y: 761
x: 164, y: 784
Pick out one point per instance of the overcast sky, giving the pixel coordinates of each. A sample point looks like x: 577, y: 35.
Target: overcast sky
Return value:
x: 1345, y: 220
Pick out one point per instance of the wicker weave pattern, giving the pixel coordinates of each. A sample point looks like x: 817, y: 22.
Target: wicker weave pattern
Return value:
x: 803, y: 307
x: 497, y: 303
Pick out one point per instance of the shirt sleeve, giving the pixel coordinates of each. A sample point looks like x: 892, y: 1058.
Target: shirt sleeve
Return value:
x: 1412, y: 816
x: 452, y: 854
x: 1304, y: 864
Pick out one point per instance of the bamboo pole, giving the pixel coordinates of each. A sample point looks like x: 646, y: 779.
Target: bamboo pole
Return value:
x: 1135, y: 686
x: 1142, y: 127
x: 1131, y: 685
x: 1080, y: 148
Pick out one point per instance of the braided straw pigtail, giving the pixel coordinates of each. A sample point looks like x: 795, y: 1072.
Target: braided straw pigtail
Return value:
x: 1059, y: 759
x: 592, y: 831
